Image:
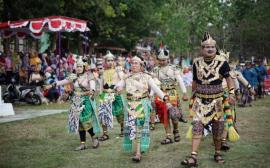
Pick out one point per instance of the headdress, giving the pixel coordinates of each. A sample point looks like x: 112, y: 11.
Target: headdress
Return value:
x: 79, y: 61
x: 138, y: 59
x: 163, y: 54
x: 224, y: 54
x: 109, y: 55
x: 207, y: 40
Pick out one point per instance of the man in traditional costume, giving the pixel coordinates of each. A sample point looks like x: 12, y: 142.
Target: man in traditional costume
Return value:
x: 82, y: 116
x: 137, y: 106
x: 171, y: 81
x: 208, y: 101
x: 230, y: 111
x: 110, y: 101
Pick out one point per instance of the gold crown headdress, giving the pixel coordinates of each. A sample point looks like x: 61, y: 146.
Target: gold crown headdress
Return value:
x: 207, y: 40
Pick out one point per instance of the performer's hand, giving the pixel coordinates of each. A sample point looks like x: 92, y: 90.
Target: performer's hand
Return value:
x: 166, y: 99
x: 252, y: 92
x: 119, y: 89
x: 185, y: 97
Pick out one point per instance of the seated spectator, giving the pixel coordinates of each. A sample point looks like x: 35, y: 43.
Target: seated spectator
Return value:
x: 52, y: 94
x: 36, y: 77
x: 23, y: 75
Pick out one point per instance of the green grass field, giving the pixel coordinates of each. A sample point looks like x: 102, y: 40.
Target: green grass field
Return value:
x: 44, y: 143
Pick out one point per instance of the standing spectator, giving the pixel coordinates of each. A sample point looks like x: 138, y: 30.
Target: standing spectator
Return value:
x: 250, y: 76
x: 70, y: 61
x: 255, y: 79
x: 262, y: 74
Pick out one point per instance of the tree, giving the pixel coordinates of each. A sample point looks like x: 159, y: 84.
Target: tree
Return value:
x: 183, y: 22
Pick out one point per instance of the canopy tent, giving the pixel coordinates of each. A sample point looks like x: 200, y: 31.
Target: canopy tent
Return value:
x: 35, y: 27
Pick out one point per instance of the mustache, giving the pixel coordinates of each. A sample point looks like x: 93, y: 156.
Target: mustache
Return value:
x: 210, y: 51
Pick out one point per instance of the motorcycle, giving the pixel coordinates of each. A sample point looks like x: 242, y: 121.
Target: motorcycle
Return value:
x: 21, y: 94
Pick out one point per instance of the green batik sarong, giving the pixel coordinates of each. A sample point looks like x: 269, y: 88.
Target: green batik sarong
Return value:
x: 88, y: 117
x: 142, y: 125
x: 117, y: 103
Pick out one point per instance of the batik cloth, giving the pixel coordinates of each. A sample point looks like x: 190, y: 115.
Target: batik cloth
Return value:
x: 110, y: 105
x: 82, y: 115
x: 137, y: 127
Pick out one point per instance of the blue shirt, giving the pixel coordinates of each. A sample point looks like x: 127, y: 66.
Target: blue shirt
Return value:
x: 251, y: 76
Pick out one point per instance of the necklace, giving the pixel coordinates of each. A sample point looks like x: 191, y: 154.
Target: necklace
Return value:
x: 108, y: 76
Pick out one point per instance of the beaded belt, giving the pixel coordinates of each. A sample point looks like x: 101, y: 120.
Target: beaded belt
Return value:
x: 167, y: 84
x: 135, y: 98
x: 209, y: 91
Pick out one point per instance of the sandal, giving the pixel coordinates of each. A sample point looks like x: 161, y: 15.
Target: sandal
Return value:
x: 104, y: 137
x: 121, y: 134
x: 81, y: 147
x: 183, y: 120
x: 152, y: 127
x: 176, y: 135
x: 136, y: 158
x: 166, y: 141
x: 191, y: 161
x: 95, y: 143
x: 224, y: 146
x: 218, y: 158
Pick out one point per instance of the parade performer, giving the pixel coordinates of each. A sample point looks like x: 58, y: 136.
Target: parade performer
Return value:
x: 150, y: 65
x: 137, y: 106
x: 110, y: 102
x: 171, y: 80
x: 230, y: 115
x: 82, y: 116
x: 208, y: 101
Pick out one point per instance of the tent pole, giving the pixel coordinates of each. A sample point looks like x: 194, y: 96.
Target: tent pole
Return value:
x: 85, y: 43
x: 59, y: 43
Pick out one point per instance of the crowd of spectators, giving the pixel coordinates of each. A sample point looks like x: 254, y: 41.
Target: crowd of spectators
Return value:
x: 39, y: 69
